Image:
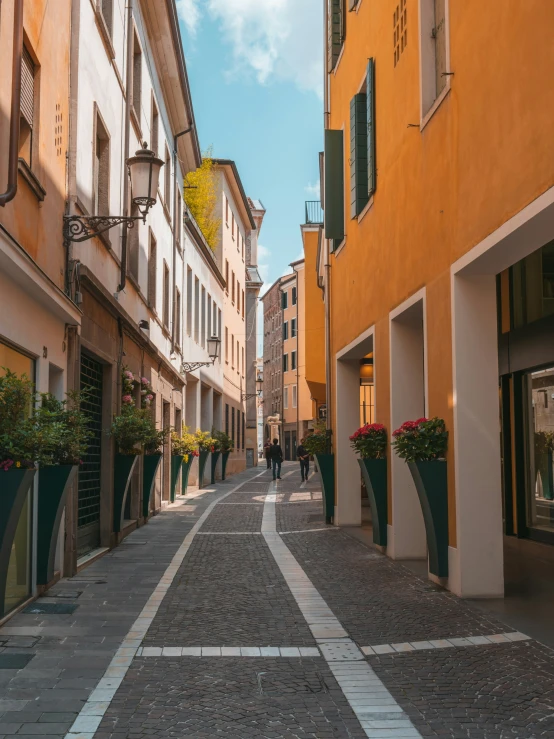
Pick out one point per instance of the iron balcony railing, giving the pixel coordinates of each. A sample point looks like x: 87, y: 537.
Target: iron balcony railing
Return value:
x: 314, y: 212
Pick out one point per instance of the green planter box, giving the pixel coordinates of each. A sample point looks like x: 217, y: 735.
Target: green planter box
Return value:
x: 431, y: 483
x: 14, y: 485
x: 186, y: 472
x: 203, y: 458
x: 224, y: 459
x: 123, y: 467
x: 53, y: 484
x: 374, y: 472
x: 215, y: 457
x: 176, y: 463
x: 326, y: 466
x: 150, y: 464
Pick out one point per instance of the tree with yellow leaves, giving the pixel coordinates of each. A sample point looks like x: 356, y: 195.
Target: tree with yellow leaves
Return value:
x: 201, y: 199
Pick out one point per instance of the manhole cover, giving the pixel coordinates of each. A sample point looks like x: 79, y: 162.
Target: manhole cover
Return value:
x: 58, y: 609
x: 14, y: 661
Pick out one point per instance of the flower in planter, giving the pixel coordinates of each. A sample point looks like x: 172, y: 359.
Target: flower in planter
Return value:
x: 423, y: 440
x: 319, y: 442
x: 127, y: 399
x: 144, y: 381
x: 370, y: 441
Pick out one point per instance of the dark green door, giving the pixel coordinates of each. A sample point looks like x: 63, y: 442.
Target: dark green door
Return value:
x: 88, y: 522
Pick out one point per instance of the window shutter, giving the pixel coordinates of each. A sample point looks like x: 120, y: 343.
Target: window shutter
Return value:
x: 27, y: 87
x: 358, y: 154
x: 370, y: 95
x: 334, y: 185
x: 334, y: 32
x: 352, y: 4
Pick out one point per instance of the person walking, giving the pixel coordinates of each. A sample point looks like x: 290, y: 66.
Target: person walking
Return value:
x: 267, y: 453
x: 304, y: 457
x: 276, y: 454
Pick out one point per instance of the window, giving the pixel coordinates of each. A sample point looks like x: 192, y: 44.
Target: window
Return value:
x: 233, y: 351
x: 238, y: 359
x: 165, y: 311
x: 335, y: 32
x: 133, y: 244
x: 284, y: 300
x: 285, y: 330
x: 434, y: 53
x: 233, y: 225
x: 189, y: 301
x: 101, y: 174
x: 294, y: 396
x: 293, y: 296
x: 285, y: 398
x: 233, y: 288
x: 243, y: 429
x: 226, y: 344
x: 238, y: 296
x: 233, y: 425
x: 242, y: 247
x: 227, y: 418
x: 243, y: 303
x: 203, y: 317
x: 27, y: 107
x: 242, y: 354
x: 167, y: 178
x: 106, y: 8
x: 293, y: 328
x: 137, y: 79
x: 400, y: 25
x: 219, y: 323
x: 362, y: 144
x: 209, y: 330
x: 293, y: 360
x: 154, y: 128
x: 227, y: 276
x: 285, y: 362
x: 196, y: 309
x: 152, y: 272
x: 177, y: 316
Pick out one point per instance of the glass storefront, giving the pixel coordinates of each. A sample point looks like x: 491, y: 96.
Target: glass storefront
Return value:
x: 18, y: 584
x: 539, y: 393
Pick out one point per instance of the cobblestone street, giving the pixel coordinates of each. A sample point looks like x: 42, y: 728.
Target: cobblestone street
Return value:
x: 238, y: 613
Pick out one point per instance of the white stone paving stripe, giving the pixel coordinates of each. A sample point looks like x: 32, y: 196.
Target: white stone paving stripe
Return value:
x: 377, y: 711
x: 225, y: 652
x: 462, y: 641
x: 309, y: 531
x: 90, y: 716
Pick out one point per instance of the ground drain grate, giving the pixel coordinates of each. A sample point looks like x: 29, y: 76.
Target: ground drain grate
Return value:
x: 14, y: 661
x: 57, y: 609
x: 67, y: 594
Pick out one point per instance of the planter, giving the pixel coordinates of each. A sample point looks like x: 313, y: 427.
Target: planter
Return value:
x: 53, y: 484
x: 215, y: 457
x: 202, y: 459
x: 374, y: 472
x: 176, y: 462
x: 326, y: 466
x: 431, y: 483
x: 186, y: 470
x: 15, y: 486
x: 224, y: 458
x: 123, y: 467
x: 150, y: 465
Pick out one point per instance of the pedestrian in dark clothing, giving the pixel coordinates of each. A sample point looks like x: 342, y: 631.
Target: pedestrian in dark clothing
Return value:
x: 267, y: 452
x: 304, y: 457
x: 276, y: 454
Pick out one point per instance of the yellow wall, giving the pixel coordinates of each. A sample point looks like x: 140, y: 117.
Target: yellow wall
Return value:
x: 305, y: 410
x: 313, y: 319
x: 485, y: 154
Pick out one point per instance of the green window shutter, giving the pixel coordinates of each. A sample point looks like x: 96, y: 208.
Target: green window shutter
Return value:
x: 334, y: 185
x: 370, y: 120
x: 358, y: 154
x: 334, y: 32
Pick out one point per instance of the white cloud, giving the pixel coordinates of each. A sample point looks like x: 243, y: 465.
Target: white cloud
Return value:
x: 189, y: 13
x: 273, y: 39
x: 314, y: 190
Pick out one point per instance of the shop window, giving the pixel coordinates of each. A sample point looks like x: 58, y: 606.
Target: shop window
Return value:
x: 540, y: 422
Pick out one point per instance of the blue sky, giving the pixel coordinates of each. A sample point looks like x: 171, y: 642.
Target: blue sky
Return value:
x: 255, y: 69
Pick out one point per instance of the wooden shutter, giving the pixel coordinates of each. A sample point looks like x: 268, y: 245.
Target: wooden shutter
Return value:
x: 370, y: 95
x: 352, y: 4
x: 27, y: 87
x: 334, y: 32
x: 359, y: 194
x: 334, y: 185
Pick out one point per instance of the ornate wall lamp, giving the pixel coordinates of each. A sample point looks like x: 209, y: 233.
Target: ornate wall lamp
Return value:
x: 214, y: 344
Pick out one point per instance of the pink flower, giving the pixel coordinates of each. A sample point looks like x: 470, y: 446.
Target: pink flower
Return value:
x: 127, y: 399
x: 149, y: 397
x: 144, y: 381
x: 129, y: 375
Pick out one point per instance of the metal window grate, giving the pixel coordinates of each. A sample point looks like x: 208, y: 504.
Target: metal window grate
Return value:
x: 27, y: 87
x: 89, y: 472
x: 400, y: 26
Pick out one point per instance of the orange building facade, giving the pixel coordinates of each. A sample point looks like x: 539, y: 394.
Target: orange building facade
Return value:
x: 438, y: 183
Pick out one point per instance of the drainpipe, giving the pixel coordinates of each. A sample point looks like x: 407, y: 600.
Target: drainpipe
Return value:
x: 176, y: 230
x: 327, y: 334
x: 128, y: 103
x: 13, y: 152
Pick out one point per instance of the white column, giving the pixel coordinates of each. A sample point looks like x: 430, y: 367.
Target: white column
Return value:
x: 477, y: 565
x: 406, y: 537
x: 348, y: 509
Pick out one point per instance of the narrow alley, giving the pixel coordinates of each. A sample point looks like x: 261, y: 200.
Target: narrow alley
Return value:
x: 238, y: 613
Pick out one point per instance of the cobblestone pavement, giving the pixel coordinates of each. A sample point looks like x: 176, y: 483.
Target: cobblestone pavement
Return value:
x: 224, y: 610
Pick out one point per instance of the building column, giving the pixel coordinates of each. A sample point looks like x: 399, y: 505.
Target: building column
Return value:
x: 348, y: 506
x: 477, y: 565
x: 192, y: 418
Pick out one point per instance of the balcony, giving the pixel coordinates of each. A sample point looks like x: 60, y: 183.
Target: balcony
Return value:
x: 314, y: 212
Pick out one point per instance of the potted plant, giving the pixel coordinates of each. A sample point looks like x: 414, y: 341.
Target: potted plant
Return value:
x: 63, y: 431
x: 153, y: 452
x: 190, y: 451
x: 205, y: 444
x: 130, y: 430
x: 318, y: 444
x: 225, y: 448
x: 370, y: 442
x: 423, y: 444
x: 19, y: 446
x: 544, y: 441
x: 216, y: 453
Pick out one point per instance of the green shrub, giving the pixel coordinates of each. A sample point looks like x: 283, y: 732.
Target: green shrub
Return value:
x: 423, y: 440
